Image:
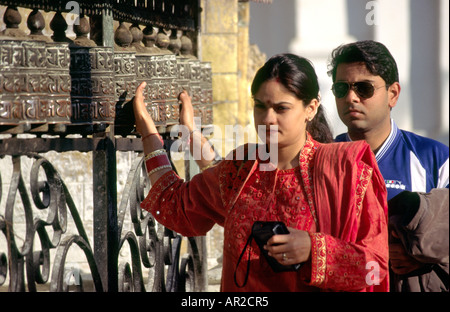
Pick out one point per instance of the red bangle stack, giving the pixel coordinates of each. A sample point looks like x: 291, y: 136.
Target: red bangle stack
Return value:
x: 156, y: 161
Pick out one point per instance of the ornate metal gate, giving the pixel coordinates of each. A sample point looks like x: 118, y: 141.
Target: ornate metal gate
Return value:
x: 58, y: 94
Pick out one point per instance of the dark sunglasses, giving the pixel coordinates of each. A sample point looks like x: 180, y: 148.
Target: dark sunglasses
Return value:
x: 364, y: 89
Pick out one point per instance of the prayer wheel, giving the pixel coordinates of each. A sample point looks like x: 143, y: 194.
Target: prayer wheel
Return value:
x: 206, y: 98
x: 103, y: 84
x: 11, y: 56
x: 195, y: 83
x: 124, y: 75
x: 162, y: 89
x: 81, y: 91
x: 35, y: 82
x: 57, y: 93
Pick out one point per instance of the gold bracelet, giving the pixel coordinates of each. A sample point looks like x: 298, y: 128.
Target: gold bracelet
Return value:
x: 155, y: 153
x: 159, y: 168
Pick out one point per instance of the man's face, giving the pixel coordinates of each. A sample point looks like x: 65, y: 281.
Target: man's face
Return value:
x: 362, y: 115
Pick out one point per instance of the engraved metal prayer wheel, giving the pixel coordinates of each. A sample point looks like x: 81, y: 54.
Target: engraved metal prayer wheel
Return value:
x: 34, y: 73
x: 29, y: 93
x: 162, y: 89
x: 183, y: 64
x: 11, y: 56
x: 124, y: 75
x: 92, y: 73
x: 184, y: 74
x: 206, y: 98
x: 171, y: 79
x: 147, y: 62
x: 195, y: 84
x: 146, y: 65
x: 103, y: 84
x: 81, y: 92
x: 58, y: 83
x: 164, y: 83
x: 124, y: 66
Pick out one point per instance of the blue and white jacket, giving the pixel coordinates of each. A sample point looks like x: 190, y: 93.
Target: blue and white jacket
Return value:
x: 410, y: 162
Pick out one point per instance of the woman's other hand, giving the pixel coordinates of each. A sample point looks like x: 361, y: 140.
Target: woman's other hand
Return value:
x: 143, y: 120
x: 187, y: 110
x: 292, y: 248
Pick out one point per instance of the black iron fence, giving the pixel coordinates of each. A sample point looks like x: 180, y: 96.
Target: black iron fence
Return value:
x: 61, y: 94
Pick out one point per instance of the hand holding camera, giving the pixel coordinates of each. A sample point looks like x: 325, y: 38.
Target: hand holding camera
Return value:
x: 289, y: 250
x: 284, y: 249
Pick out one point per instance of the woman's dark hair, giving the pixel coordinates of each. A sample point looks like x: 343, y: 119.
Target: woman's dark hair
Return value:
x: 379, y: 61
x: 298, y: 76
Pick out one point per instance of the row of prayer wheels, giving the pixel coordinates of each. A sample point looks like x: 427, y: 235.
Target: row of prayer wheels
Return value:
x: 77, y: 82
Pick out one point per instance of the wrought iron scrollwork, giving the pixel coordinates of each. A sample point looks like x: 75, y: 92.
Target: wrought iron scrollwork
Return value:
x: 151, y: 245
x: 52, y: 196
x: 60, y: 280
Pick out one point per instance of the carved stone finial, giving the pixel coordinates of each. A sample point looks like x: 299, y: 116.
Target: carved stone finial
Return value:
x: 149, y: 39
x: 123, y: 37
x: 59, y: 27
x: 186, y: 46
x: 36, y: 24
x: 12, y: 19
x: 175, y: 42
x: 137, y: 36
x: 82, y: 31
x: 162, y: 41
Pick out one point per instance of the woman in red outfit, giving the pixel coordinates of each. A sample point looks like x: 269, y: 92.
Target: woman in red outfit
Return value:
x: 331, y: 196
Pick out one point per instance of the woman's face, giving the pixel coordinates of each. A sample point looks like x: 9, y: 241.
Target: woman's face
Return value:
x: 274, y: 105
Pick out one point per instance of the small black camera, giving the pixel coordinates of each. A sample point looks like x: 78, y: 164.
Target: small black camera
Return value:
x: 262, y: 231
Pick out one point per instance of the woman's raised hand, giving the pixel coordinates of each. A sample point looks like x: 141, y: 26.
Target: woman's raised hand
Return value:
x: 143, y: 120
x: 187, y: 110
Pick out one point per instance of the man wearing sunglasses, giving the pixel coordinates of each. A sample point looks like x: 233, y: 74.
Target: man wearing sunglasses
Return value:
x: 415, y: 169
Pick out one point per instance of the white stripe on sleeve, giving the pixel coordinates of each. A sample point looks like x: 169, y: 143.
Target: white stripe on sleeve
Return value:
x: 418, y: 175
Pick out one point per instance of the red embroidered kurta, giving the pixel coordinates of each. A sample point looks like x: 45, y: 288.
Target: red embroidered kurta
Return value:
x: 336, y: 194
